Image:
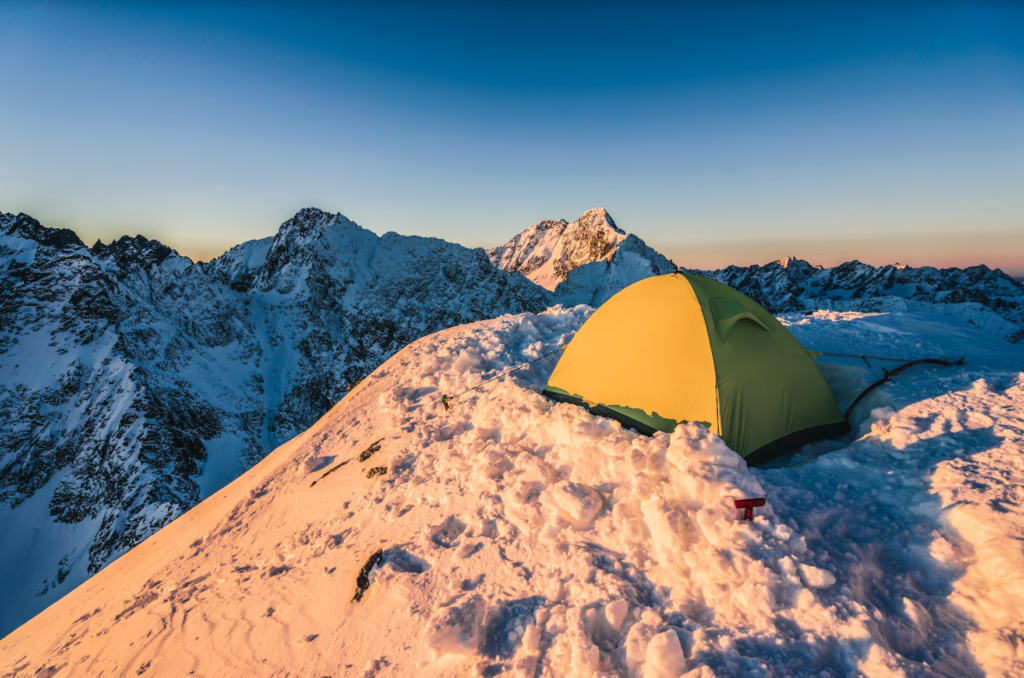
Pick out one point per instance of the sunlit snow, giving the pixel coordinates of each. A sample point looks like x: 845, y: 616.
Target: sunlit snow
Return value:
x: 525, y: 538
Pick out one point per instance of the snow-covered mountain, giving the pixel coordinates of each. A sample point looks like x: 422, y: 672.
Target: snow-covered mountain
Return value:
x: 979, y: 295
x: 549, y: 251
x: 134, y: 383
x: 597, y: 282
x: 587, y: 261
x: 512, y: 536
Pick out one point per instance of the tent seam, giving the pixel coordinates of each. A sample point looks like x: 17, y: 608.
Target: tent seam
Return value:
x: 711, y: 351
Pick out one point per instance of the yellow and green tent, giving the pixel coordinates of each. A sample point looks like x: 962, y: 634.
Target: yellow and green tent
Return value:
x: 678, y: 348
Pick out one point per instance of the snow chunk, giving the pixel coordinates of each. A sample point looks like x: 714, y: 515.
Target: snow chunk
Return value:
x: 578, y: 502
x: 615, y: 613
x: 456, y: 629
x: 694, y: 442
x: 665, y: 658
x: 881, y: 414
x: 639, y: 636
x: 815, y: 577
x: 467, y: 360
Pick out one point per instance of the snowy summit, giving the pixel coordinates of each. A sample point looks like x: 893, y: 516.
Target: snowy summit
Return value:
x: 548, y: 250
x: 583, y: 262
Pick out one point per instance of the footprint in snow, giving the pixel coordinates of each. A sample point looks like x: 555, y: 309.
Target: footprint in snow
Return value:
x: 446, y: 534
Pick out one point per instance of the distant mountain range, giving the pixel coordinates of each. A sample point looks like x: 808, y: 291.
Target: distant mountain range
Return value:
x: 135, y: 382
x: 979, y: 295
x: 588, y: 260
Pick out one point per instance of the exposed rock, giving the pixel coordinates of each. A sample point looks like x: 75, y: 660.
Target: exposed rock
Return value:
x: 363, y: 579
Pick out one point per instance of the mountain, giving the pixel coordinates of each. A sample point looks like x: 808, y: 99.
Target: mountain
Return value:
x: 979, y: 295
x: 549, y: 251
x: 587, y: 261
x: 512, y: 536
x: 134, y: 382
x: 583, y: 262
x: 596, y: 282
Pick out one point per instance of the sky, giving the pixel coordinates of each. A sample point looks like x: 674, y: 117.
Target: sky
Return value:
x: 719, y: 133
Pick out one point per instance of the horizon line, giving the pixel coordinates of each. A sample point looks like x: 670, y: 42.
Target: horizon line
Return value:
x: 200, y: 258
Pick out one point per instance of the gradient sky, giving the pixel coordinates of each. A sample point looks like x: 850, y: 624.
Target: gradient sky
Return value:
x: 718, y: 133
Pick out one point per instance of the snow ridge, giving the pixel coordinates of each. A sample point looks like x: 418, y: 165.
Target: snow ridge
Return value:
x: 135, y: 382
x: 521, y: 537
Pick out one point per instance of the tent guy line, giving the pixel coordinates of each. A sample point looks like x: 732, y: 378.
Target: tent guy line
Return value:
x: 889, y: 374
x: 866, y: 358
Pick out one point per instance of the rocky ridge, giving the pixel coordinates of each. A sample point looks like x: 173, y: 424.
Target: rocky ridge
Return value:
x: 985, y: 297
x: 547, y: 251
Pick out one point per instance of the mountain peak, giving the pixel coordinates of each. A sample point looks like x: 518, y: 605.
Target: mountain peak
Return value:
x: 129, y: 251
x: 311, y: 213
x: 309, y: 219
x: 548, y: 250
x: 599, y: 217
x: 24, y: 226
x: 297, y: 237
x: 786, y: 262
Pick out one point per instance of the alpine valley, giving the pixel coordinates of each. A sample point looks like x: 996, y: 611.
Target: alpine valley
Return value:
x: 134, y: 382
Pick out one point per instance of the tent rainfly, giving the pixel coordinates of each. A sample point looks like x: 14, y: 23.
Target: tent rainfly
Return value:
x: 678, y: 348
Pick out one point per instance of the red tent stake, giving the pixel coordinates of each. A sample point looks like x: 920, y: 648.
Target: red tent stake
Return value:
x: 748, y: 506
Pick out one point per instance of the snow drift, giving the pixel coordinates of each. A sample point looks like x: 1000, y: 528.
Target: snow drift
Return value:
x: 526, y: 538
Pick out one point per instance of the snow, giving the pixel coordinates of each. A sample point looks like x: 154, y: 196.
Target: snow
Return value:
x: 664, y: 657
x: 147, y: 383
x: 522, y: 537
x: 547, y: 251
x: 984, y: 297
x: 970, y: 312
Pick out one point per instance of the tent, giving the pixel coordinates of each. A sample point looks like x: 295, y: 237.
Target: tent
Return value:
x: 677, y: 348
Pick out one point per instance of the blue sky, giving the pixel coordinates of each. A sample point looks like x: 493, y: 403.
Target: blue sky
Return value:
x: 718, y: 133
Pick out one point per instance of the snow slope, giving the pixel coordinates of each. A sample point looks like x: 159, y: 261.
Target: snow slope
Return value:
x: 134, y: 383
x: 521, y: 537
